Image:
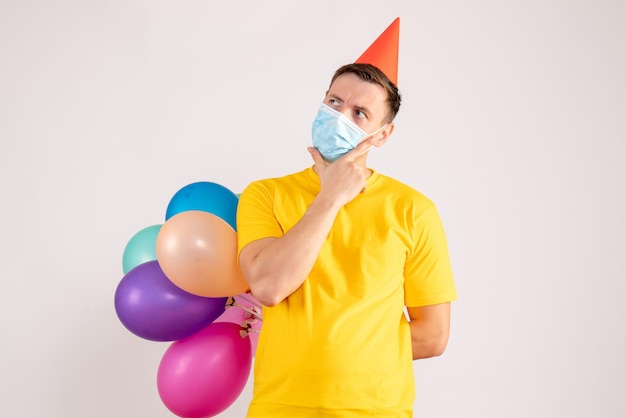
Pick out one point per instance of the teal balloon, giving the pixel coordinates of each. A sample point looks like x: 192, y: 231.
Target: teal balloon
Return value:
x: 208, y: 197
x: 141, y: 248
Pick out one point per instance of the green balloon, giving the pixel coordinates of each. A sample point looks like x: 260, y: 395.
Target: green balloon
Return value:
x: 141, y: 248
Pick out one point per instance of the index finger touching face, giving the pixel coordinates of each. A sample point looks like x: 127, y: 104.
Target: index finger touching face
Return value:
x: 360, y: 149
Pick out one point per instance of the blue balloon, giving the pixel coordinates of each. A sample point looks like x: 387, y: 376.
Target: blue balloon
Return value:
x: 208, y: 197
x: 152, y: 307
x: 141, y: 248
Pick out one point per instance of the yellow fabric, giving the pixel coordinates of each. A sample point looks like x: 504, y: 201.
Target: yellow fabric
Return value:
x: 340, y: 346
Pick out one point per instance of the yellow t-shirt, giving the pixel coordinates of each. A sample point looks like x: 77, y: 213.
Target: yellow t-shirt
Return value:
x: 340, y: 345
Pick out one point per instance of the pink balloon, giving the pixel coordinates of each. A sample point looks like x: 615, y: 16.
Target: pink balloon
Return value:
x: 241, y: 309
x: 202, y: 375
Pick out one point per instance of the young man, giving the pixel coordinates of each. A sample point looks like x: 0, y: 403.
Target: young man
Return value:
x: 336, y: 253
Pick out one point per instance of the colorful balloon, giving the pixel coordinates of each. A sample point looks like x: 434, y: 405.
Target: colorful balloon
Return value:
x: 198, y: 253
x: 207, y: 197
x: 202, y: 375
x: 150, y: 306
x: 140, y: 248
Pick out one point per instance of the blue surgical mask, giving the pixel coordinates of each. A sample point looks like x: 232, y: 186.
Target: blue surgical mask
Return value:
x: 334, y: 134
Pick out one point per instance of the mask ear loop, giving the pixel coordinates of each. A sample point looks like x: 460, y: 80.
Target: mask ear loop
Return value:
x: 368, y: 136
x: 377, y: 131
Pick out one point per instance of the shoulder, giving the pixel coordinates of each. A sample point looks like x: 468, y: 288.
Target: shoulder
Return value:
x: 287, y: 178
x: 278, y: 185
x: 404, y: 195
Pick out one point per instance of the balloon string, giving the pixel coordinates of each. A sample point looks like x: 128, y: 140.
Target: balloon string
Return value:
x: 246, y: 327
x: 252, y: 312
x: 232, y: 302
x: 256, y: 304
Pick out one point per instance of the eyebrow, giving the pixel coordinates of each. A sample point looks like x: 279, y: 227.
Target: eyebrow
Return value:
x: 361, y: 108
x: 364, y: 110
x: 334, y: 96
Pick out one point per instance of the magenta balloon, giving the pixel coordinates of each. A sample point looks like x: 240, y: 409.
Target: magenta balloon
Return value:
x: 152, y: 307
x: 202, y: 375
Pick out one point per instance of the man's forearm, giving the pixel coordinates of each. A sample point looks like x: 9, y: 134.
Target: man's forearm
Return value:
x: 277, y: 269
x: 430, y: 329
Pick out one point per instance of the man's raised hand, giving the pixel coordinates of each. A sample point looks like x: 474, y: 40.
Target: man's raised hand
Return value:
x: 342, y: 180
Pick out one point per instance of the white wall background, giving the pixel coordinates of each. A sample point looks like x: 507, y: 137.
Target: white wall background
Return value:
x: 513, y: 122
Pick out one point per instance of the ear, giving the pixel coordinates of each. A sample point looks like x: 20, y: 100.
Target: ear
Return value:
x: 382, y: 137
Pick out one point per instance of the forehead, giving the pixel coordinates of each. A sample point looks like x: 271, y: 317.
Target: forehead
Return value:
x: 354, y: 91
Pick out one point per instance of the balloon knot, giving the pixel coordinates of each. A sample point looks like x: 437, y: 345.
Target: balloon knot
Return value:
x: 251, y: 317
x: 230, y: 302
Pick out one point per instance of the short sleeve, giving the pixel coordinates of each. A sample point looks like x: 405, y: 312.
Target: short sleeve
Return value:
x: 428, y: 273
x: 255, y: 215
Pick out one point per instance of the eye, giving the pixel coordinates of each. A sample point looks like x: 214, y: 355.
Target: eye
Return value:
x: 333, y: 102
x: 360, y: 114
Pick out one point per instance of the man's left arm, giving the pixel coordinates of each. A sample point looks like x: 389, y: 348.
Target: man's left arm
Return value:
x: 430, y: 328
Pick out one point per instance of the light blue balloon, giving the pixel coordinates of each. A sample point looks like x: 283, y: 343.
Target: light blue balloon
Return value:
x: 208, y: 197
x: 141, y: 248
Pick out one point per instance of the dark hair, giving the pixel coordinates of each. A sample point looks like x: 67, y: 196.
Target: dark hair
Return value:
x: 372, y: 74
